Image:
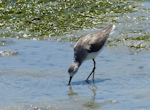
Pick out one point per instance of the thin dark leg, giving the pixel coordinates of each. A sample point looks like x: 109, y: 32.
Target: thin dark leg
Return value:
x: 94, y: 68
x: 92, y: 71
x: 69, y: 80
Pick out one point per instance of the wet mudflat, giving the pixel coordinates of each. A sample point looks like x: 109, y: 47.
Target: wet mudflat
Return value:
x: 36, y: 78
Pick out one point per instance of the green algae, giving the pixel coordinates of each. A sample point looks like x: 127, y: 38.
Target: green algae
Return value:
x: 139, y: 42
x: 37, y: 18
x: 49, y: 19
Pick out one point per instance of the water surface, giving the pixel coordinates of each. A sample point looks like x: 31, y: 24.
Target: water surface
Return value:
x: 37, y: 78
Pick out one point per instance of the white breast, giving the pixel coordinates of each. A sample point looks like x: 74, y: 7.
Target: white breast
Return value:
x: 92, y: 55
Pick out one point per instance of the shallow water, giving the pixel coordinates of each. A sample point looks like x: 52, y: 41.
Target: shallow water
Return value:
x: 36, y: 78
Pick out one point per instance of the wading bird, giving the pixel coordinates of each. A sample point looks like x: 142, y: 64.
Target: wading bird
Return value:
x: 88, y: 47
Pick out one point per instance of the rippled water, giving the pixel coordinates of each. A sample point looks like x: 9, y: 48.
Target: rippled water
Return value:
x: 36, y: 78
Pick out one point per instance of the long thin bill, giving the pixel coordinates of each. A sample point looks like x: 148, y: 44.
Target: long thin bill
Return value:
x: 69, y: 80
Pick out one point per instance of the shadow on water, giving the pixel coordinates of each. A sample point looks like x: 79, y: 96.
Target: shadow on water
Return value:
x: 89, y: 82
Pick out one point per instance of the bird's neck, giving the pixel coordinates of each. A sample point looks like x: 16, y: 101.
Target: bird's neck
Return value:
x: 76, y: 64
x: 77, y: 60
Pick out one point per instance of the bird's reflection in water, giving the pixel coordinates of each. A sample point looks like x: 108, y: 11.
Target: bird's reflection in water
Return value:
x: 71, y: 93
x: 93, y: 88
x: 88, y: 104
x: 92, y: 104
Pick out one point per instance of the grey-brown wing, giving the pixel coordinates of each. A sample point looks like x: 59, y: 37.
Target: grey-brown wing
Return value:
x: 95, y: 41
x: 98, y: 42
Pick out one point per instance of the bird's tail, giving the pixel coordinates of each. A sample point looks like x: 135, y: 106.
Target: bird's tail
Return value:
x: 109, y: 29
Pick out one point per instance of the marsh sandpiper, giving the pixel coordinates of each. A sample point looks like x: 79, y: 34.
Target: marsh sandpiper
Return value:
x: 88, y: 47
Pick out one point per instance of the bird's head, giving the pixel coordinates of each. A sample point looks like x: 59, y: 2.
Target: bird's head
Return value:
x: 72, y: 70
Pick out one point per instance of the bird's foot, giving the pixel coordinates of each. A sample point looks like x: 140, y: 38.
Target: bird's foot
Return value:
x: 87, y: 80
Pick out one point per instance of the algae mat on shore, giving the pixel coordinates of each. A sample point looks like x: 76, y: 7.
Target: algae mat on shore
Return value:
x: 44, y: 19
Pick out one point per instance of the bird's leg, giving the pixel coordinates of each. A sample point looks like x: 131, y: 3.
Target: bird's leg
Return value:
x: 94, y: 68
x: 92, y: 71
